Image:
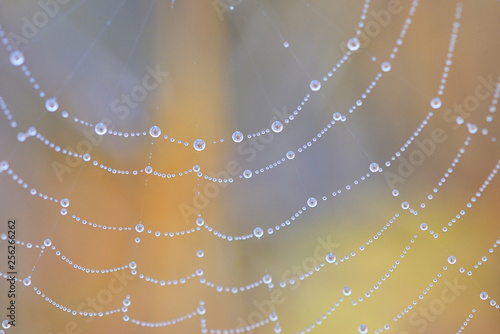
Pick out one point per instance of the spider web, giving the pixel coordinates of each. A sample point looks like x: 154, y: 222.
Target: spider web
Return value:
x: 250, y: 166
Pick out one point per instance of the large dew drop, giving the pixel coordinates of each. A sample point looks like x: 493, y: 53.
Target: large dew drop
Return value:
x: 199, y: 144
x: 51, y: 104
x: 353, y: 44
x: 237, y: 136
x: 330, y: 258
x: 16, y: 58
x: 155, y: 131
x: 100, y: 128
x: 258, y: 232
x: 277, y: 126
x: 312, y: 202
x: 436, y: 103
x: 386, y: 66
x: 315, y: 85
x: 374, y: 167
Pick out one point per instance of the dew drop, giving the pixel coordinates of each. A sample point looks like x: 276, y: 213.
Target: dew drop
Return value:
x: 277, y: 126
x: 386, y: 66
x: 290, y: 155
x: 201, y: 310
x: 452, y: 259
x: 346, y: 291
x: 277, y: 328
x: 267, y: 279
x: 258, y: 232
x: 132, y: 265
x: 139, y: 228
x: 460, y: 120
x: 436, y: 103
x: 200, y: 253
x: 200, y: 221
x: 330, y: 258
x: 100, y: 128
x: 472, y: 128
x: 353, y: 44
x: 16, y: 58
x: 64, y: 202
x: 27, y: 281
x: 286, y: 44
x: 337, y: 116
x: 6, y: 324
x: 237, y: 136
x: 51, y: 104
x: 86, y: 157
x: 155, y: 131
x: 395, y: 192
x: 483, y: 295
x: 21, y: 136
x: 315, y: 85
x: 4, y: 165
x: 423, y: 227
x: 247, y: 173
x: 148, y: 170
x: 199, y: 145
x: 405, y: 205
x: 363, y: 329
x: 374, y: 167
x: 312, y: 202
x: 47, y: 242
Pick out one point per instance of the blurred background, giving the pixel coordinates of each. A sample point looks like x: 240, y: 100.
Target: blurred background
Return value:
x: 203, y: 69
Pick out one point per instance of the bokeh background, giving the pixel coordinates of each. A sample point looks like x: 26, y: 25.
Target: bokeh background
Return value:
x: 228, y: 69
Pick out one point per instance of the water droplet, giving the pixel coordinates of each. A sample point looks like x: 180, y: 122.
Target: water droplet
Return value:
x: 148, y: 169
x: 273, y: 316
x: 472, y: 128
x: 423, y: 227
x: 405, y: 205
x: 139, y: 228
x: 436, y: 103
x: 16, y: 58
x: 201, y: 310
x: 196, y: 168
x: 290, y: 155
x: 395, y: 192
x: 4, y: 165
x: 286, y: 44
x: 386, y: 66
x: 452, y: 259
x: 200, y: 221
x: 363, y: 329
x: 132, y: 265
x: 330, y: 258
x: 353, y: 44
x: 460, y: 120
x: 86, y: 157
x: 155, y: 131
x: 315, y: 85
x: 51, y: 104
x: 258, y: 232
x: 47, y: 242
x: 337, y: 116
x: 27, y: 281
x: 199, y: 145
x: 64, y: 202
x: 6, y: 324
x: 312, y: 202
x: 346, y: 291
x: 237, y: 136
x: 100, y: 128
x: 277, y: 126
x: 200, y: 253
x: 483, y: 295
x: 21, y: 137
x: 277, y: 328
x: 267, y: 279
x: 247, y: 173
x: 374, y: 167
